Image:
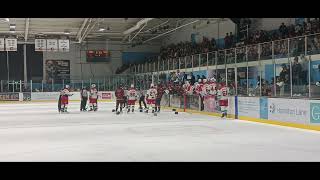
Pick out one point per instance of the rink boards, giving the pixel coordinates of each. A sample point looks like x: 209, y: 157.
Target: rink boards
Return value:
x: 51, y: 96
x: 299, y: 113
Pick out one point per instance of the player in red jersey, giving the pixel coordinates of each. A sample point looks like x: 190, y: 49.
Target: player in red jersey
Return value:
x: 64, y: 99
x: 188, y: 88
x: 160, y: 92
x: 223, y: 93
x: 199, y: 92
x: 119, y: 93
x: 132, y: 97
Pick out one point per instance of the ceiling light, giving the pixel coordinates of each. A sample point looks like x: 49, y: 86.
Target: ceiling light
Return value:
x: 102, y: 29
x: 67, y: 32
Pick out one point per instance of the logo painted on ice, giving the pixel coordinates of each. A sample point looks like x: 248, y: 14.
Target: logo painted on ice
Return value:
x: 272, y: 108
x: 315, y: 112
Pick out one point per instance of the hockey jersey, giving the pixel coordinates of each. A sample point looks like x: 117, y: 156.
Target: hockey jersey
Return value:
x: 211, y: 88
x: 188, y: 88
x: 132, y: 94
x: 199, y: 88
x: 223, y: 93
x: 93, y: 93
x: 119, y: 93
x: 152, y: 93
x: 65, y: 92
x: 160, y: 92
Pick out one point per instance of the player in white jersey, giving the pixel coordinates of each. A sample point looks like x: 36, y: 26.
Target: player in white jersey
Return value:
x: 151, y: 98
x: 132, y: 96
x: 64, y: 99
x: 211, y: 87
x: 223, y: 93
x: 93, y: 98
x: 188, y: 88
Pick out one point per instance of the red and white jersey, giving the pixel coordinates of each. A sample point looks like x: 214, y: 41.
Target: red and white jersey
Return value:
x: 132, y: 94
x: 65, y: 92
x: 152, y: 93
x: 211, y: 88
x: 199, y: 88
x: 223, y: 93
x: 188, y: 88
x: 93, y: 93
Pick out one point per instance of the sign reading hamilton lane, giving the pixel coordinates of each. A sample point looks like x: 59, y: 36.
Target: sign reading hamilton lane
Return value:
x: 289, y: 110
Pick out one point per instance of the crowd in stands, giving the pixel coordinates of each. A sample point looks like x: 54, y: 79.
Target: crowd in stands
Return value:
x: 310, y: 26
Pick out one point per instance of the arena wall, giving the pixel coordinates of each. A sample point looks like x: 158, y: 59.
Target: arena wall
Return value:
x: 211, y: 30
x: 80, y: 69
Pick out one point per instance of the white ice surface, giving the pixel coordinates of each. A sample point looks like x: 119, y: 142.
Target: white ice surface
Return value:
x: 36, y: 132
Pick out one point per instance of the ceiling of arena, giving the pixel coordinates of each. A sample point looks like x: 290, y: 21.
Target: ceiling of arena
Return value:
x: 130, y: 30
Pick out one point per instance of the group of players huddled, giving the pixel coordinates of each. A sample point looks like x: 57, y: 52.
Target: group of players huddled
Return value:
x: 127, y: 98
x: 92, y: 94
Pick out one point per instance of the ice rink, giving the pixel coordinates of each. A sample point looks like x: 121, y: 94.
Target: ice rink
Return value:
x: 37, y: 132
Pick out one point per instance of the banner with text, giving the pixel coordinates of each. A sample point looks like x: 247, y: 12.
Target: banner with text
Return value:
x: 57, y: 70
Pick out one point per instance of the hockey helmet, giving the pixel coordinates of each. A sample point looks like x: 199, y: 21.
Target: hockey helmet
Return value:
x: 199, y: 80
x: 93, y: 85
x: 213, y: 79
x: 67, y: 86
x: 132, y: 86
x: 151, y: 85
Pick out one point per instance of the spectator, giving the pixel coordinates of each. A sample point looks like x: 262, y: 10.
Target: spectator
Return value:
x: 304, y: 70
x: 284, y: 78
x: 296, y: 73
x: 227, y: 41
x: 231, y: 40
x: 283, y: 31
x: 198, y: 77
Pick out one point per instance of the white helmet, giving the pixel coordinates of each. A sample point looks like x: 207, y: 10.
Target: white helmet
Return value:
x: 93, y: 85
x: 151, y: 85
x: 67, y: 86
x: 132, y: 86
x: 213, y: 79
x: 199, y: 80
x: 317, y: 83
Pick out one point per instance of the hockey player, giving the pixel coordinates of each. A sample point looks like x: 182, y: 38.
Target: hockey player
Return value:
x: 223, y: 98
x: 119, y: 93
x: 211, y: 87
x: 188, y: 88
x: 93, y: 98
x: 151, y: 98
x: 160, y: 92
x: 199, y: 92
x: 142, y: 100
x: 64, y: 99
x: 84, y: 99
x: 132, y: 98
